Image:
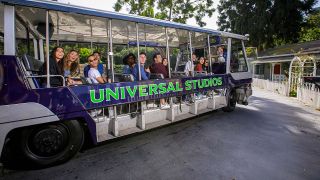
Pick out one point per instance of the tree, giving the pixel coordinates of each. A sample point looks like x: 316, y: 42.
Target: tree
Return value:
x: 311, y: 31
x: 171, y: 10
x: 269, y: 22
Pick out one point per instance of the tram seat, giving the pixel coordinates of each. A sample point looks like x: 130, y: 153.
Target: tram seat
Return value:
x: 181, y: 68
x: 123, y: 77
x: 178, y: 74
x: 32, y: 67
x: 200, y: 73
x: 156, y: 76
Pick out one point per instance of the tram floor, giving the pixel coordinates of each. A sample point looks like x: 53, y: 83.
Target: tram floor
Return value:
x: 275, y: 137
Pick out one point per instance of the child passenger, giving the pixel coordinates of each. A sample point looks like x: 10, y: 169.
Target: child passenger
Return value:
x: 94, y: 74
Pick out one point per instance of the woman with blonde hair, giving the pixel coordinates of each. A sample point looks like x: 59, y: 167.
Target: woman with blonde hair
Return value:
x: 71, y: 68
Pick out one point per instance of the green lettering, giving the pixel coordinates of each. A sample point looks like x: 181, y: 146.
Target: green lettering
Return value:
x: 195, y: 84
x: 219, y: 81
x: 205, y: 82
x: 143, y: 90
x: 200, y: 83
x: 93, y: 96
x: 162, y: 88
x: 188, y: 85
x: 113, y: 94
x: 131, y: 92
x: 153, y: 89
x: 170, y: 87
x: 122, y: 92
x: 178, y: 88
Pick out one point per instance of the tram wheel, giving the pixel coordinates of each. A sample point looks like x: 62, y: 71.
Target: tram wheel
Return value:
x: 231, y: 102
x: 51, y: 144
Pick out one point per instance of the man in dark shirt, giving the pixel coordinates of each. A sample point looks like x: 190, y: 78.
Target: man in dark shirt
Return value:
x: 157, y: 67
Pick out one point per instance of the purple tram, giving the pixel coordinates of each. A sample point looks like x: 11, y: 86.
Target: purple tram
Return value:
x: 47, y: 125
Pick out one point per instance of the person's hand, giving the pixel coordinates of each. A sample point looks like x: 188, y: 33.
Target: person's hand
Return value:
x: 70, y: 81
x: 147, y: 70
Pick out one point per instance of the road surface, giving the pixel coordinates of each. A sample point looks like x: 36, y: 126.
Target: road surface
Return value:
x: 275, y: 137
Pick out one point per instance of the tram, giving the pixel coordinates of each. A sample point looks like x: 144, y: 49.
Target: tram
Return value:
x: 47, y: 125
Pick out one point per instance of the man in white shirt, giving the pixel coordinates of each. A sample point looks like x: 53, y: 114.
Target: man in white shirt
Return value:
x: 189, y: 68
x: 93, y: 73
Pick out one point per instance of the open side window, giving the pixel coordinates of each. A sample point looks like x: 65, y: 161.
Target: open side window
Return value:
x: 238, y: 64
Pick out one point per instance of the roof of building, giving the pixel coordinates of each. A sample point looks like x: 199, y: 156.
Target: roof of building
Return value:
x: 287, y: 52
x: 292, y: 49
x: 53, y: 5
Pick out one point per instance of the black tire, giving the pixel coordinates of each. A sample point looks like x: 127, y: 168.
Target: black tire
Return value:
x: 231, y: 102
x: 51, y: 144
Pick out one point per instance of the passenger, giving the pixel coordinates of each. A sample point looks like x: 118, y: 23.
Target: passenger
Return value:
x: 145, y: 72
x: 157, y: 67
x: 165, y: 63
x: 129, y: 62
x: 189, y: 68
x: 56, y: 65
x: 86, y: 69
x: 206, y: 65
x: 94, y: 74
x: 222, y: 56
x: 200, y: 65
x: 71, y: 68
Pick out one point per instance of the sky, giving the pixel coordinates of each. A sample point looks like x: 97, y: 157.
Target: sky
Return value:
x: 108, y: 5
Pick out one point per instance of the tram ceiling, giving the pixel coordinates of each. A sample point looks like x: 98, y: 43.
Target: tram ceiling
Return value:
x: 66, y: 26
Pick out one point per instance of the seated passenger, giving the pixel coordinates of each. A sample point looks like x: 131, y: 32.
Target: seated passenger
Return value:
x: 189, y: 68
x: 145, y: 72
x: 129, y: 62
x: 100, y: 66
x: 94, y: 75
x: 157, y: 67
x: 56, y: 64
x: 71, y: 68
x: 165, y: 63
x: 199, y: 66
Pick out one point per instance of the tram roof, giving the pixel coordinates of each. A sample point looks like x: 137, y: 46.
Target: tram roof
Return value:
x: 50, y: 5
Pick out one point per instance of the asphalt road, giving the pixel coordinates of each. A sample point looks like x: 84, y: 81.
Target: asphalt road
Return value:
x: 273, y: 138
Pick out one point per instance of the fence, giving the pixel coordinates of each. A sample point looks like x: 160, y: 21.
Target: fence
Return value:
x: 306, y: 93
x: 309, y: 95
x: 277, y: 87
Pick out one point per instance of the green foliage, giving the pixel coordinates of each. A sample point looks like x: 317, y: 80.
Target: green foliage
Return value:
x: 172, y: 10
x: 269, y: 22
x: 311, y: 31
x: 293, y: 93
x: 84, y: 53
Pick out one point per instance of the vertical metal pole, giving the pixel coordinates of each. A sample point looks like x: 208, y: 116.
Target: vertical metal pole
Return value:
x: 209, y: 52
x: 111, y: 50
x: 228, y: 56
x: 91, y: 34
x: 41, y: 50
x: 9, y: 30
x: 47, y: 49
x: 58, y: 29
x: 35, y: 49
x: 168, y: 52
x: 190, y: 46
x: 138, y: 48
x: 108, y: 50
x: 28, y: 40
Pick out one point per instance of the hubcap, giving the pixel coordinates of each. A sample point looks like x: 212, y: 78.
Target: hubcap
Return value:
x: 49, y: 141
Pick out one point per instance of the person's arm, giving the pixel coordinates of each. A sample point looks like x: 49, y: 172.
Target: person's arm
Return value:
x: 100, y: 80
x: 144, y: 75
